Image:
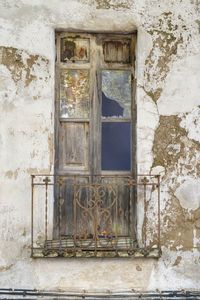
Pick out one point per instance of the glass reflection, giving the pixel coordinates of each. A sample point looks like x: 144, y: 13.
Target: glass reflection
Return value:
x: 116, y: 93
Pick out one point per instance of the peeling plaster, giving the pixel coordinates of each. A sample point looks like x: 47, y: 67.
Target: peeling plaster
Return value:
x: 168, y: 145
x: 188, y: 194
x: 22, y: 74
x: 172, y: 144
x: 20, y: 64
x: 191, y: 123
x: 5, y: 268
x: 167, y: 38
x: 138, y: 268
x: 180, y: 275
x: 178, y: 227
x: 107, y: 4
x: 198, y: 23
x: 12, y: 174
x: 181, y: 97
x: 176, y: 151
x: 177, y: 261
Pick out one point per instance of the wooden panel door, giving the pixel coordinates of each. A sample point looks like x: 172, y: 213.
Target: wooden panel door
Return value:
x: 95, y: 133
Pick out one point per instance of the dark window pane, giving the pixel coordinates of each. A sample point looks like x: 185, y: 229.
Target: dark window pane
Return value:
x: 116, y: 152
x: 116, y: 93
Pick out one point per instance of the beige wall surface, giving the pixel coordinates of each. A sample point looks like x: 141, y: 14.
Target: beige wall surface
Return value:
x: 168, y: 135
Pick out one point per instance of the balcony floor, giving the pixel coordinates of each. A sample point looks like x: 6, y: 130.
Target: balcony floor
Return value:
x: 103, y: 247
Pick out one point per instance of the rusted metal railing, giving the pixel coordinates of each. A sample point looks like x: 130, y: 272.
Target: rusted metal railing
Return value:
x: 95, y: 216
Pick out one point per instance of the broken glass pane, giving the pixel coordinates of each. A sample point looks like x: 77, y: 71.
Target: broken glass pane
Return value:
x: 116, y: 93
x: 116, y: 146
x: 75, y: 49
x: 74, y: 94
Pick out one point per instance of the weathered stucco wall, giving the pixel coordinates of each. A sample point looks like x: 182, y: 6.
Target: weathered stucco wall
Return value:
x: 168, y: 113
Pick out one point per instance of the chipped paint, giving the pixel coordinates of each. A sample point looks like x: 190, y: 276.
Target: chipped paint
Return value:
x: 107, y: 4
x: 5, y: 268
x: 167, y: 38
x: 188, y: 194
x: 179, y: 226
x: 176, y: 150
x: 138, y: 268
x: 191, y: 123
x: 198, y: 23
x: 20, y: 63
x: 12, y: 174
x: 168, y: 145
x: 172, y: 144
x: 177, y: 261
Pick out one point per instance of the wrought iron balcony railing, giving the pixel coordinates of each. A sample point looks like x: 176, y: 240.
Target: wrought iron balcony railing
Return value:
x: 95, y: 216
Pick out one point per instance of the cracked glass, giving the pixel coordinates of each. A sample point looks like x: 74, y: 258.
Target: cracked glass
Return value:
x: 116, y: 93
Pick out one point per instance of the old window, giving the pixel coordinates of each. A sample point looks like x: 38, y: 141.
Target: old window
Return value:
x: 88, y: 206
x: 95, y: 136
